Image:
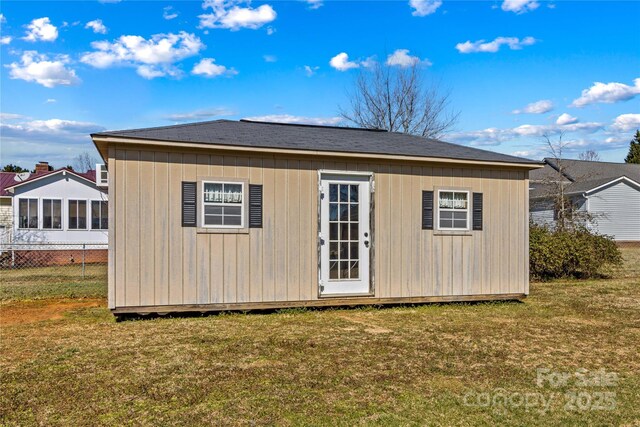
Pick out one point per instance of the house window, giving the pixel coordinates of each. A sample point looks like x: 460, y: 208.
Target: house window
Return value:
x: 453, y: 210
x: 223, y: 204
x: 28, y: 213
x: 52, y: 214
x: 99, y: 216
x: 77, y: 214
x: 102, y: 176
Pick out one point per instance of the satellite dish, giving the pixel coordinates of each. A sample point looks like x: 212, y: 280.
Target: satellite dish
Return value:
x: 21, y: 176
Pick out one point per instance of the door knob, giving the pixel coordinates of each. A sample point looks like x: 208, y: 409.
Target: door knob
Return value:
x: 366, y: 243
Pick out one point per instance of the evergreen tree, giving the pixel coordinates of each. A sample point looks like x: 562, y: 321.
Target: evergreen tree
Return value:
x: 634, y: 149
x: 13, y: 168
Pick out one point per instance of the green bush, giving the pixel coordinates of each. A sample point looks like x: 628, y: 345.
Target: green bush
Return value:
x: 576, y: 252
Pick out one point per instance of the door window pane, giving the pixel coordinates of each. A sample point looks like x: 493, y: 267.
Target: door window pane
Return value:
x: 344, y: 231
x: 344, y: 193
x: 353, y: 194
x: 354, y: 273
x: 333, y: 192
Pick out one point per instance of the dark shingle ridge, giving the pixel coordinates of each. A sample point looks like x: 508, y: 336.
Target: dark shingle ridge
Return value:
x: 303, y: 137
x: 311, y: 125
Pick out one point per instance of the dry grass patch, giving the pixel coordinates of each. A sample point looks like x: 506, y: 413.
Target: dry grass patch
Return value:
x: 393, y: 366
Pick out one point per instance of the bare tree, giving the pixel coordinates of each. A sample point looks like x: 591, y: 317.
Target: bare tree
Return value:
x: 590, y: 156
x: 399, y: 100
x: 566, y: 213
x: 84, y: 162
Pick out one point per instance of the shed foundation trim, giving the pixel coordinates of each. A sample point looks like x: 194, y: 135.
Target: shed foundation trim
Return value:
x: 344, y: 301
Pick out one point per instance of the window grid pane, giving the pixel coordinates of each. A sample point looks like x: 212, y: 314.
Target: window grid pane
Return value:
x: 223, y: 204
x: 453, y: 209
x: 344, y: 227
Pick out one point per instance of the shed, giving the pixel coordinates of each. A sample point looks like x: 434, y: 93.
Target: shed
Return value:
x: 237, y: 215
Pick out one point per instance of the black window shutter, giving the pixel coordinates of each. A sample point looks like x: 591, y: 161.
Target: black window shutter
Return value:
x: 477, y: 211
x: 427, y: 210
x: 189, y: 202
x: 255, y: 206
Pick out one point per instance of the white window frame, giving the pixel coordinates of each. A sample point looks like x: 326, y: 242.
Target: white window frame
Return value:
x: 243, y: 204
x: 62, y: 210
x: 87, y: 207
x: 468, y: 210
x: 91, y: 213
x: 100, y: 182
x: 38, y: 216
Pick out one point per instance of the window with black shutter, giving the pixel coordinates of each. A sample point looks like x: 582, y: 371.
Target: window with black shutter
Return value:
x: 427, y: 210
x: 255, y: 206
x: 189, y: 209
x: 477, y: 211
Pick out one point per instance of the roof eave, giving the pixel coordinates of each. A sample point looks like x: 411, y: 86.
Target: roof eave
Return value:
x: 102, y: 140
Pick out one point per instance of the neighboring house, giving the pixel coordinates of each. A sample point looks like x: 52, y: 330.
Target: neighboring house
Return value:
x: 608, y: 192
x: 234, y: 215
x: 58, y: 206
x: 6, y: 211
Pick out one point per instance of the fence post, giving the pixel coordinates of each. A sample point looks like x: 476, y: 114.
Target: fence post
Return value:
x: 83, y: 251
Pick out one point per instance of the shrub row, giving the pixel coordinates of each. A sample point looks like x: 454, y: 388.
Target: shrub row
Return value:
x: 575, y: 252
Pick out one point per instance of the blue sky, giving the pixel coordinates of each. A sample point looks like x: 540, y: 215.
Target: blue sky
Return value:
x: 516, y: 69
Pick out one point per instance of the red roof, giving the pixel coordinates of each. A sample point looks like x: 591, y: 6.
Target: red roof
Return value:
x: 7, y: 179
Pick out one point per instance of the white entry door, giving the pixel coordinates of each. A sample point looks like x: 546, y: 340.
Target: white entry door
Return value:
x: 345, y: 235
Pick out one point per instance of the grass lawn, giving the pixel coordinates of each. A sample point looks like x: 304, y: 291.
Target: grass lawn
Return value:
x: 62, y: 281
x: 67, y: 362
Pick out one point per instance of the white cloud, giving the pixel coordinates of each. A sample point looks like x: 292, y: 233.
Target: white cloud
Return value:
x: 199, y: 115
x: 269, y: 58
x: 315, y: 4
x: 496, y: 136
x: 341, y: 62
x: 424, y: 7
x: 626, y: 122
x: 41, y: 29
x: 401, y: 58
x: 154, y: 57
x: 207, y: 68
x: 50, y: 101
x: 35, y: 67
x: 228, y: 14
x: 310, y: 71
x: 566, y: 119
x: 11, y: 116
x: 5, y: 40
x: 270, y: 30
x: 514, y: 43
x: 59, y: 141
x: 519, y: 6
x: 287, y: 118
x: 168, y: 13
x: 607, y: 93
x: 97, y: 26
x: 2, y: 18
x: 538, y: 107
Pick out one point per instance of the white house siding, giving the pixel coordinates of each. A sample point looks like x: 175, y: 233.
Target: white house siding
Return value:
x: 542, y: 212
x: 617, y: 211
x: 65, y: 187
x: 6, y: 217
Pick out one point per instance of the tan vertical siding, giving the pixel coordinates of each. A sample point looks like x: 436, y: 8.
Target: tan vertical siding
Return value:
x: 156, y: 261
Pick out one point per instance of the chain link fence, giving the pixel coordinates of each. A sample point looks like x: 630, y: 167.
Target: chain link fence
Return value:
x: 34, y: 270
